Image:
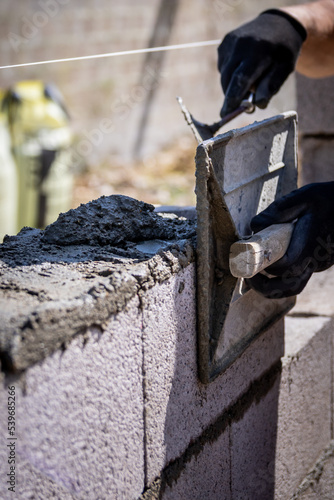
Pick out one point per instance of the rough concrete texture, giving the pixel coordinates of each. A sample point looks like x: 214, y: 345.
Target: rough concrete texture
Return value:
x: 304, y: 424
x: 223, y: 460
x: 319, y: 482
x: 189, y: 213
x: 316, y: 128
x: 300, y: 330
x: 206, y: 476
x: 120, y: 405
x: 179, y: 410
x: 314, y: 100
x: 82, y: 269
x: 88, y: 406
x: 277, y: 428
x: 315, y: 299
x: 34, y: 485
x: 80, y: 417
x: 178, y: 407
x: 252, y: 449
x: 317, y: 154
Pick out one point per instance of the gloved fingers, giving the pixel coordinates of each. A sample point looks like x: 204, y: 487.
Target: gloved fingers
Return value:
x: 241, y: 82
x: 277, y: 288
x: 270, y: 84
x: 285, y: 209
x: 324, y: 265
x: 299, y: 253
x: 324, y: 251
x: 312, y: 242
x: 226, y: 72
x: 230, y: 55
x: 226, y: 63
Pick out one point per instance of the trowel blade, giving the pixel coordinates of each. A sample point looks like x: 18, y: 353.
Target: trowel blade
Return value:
x: 203, y: 131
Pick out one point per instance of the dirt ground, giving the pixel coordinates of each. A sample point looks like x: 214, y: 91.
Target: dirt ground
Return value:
x: 168, y: 178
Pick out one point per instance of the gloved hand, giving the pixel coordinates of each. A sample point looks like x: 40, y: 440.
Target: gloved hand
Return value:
x: 312, y: 244
x: 259, y: 56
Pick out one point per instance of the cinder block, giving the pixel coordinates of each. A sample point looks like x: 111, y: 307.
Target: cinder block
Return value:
x: 80, y: 414
x: 187, y: 212
x: 316, y: 297
x: 178, y: 407
x: 32, y: 484
x: 317, y: 158
x: 252, y: 447
x: 206, y: 476
x: 314, y: 98
x: 304, y: 410
x: 320, y: 483
x: 299, y: 331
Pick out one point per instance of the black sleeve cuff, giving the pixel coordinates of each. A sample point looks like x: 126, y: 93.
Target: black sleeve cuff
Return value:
x: 296, y: 24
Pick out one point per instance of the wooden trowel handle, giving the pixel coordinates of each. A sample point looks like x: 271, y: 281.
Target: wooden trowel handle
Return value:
x: 252, y: 255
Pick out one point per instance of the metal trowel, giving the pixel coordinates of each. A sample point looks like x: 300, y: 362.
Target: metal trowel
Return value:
x: 238, y: 175
x: 203, y: 131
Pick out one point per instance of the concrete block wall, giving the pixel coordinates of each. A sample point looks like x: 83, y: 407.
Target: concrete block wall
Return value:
x: 305, y: 410
x: 80, y: 417
x: 112, y: 406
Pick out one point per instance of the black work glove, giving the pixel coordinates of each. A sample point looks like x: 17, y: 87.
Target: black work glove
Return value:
x: 311, y: 247
x: 259, y: 56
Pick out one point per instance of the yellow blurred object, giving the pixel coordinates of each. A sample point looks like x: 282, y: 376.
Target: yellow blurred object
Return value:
x: 41, y: 140
x: 8, y: 179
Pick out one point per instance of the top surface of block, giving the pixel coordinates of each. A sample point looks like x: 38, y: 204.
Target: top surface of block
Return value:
x: 82, y: 269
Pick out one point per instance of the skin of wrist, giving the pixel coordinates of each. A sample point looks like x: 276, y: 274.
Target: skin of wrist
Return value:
x: 316, y: 17
x: 316, y: 59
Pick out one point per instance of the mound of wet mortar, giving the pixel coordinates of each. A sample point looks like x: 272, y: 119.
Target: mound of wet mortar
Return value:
x: 113, y: 220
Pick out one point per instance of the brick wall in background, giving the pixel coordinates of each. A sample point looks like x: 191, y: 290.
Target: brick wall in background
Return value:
x: 108, y: 98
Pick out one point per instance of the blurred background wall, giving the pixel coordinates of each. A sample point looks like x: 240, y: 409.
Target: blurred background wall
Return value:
x: 123, y: 109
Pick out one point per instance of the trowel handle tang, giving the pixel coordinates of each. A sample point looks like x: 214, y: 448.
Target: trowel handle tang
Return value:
x: 252, y: 255
x: 246, y: 106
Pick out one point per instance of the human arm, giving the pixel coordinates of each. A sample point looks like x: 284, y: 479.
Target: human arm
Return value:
x: 259, y: 55
x: 316, y: 59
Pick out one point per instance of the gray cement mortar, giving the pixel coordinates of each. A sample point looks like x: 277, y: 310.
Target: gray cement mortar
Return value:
x: 114, y: 220
x: 82, y: 269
